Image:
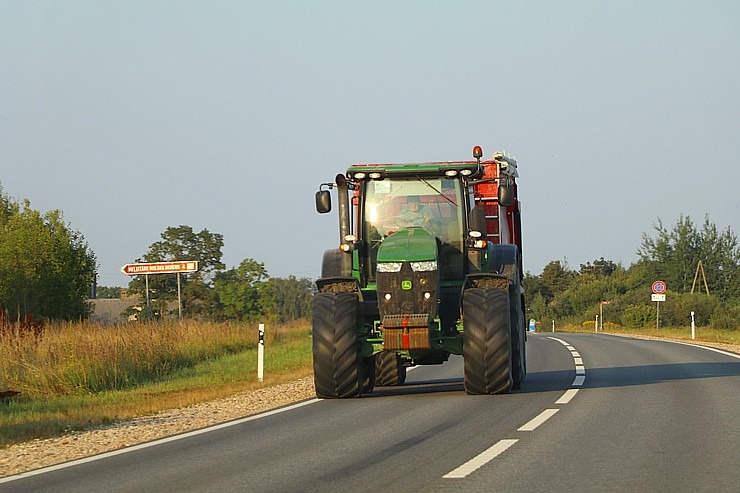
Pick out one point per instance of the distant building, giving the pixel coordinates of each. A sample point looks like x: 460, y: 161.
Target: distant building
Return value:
x: 109, y: 311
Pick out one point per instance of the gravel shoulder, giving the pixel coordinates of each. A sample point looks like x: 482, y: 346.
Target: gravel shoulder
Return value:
x: 42, y: 453
x: 35, y: 454
x: 730, y: 348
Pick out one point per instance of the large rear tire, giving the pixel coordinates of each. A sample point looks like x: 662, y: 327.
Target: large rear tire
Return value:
x: 517, y: 324
x: 506, y: 260
x: 337, y: 370
x: 486, y: 341
x: 389, y: 369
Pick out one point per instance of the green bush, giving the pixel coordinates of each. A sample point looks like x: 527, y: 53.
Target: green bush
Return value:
x: 676, y: 311
x: 725, y: 318
x: 638, y: 316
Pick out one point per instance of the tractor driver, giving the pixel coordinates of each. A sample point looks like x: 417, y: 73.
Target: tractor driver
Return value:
x: 414, y: 214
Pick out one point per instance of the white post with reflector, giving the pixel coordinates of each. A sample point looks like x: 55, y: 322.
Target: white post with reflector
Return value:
x: 261, y: 353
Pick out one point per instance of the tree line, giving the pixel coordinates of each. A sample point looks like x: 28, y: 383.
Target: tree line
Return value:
x: 623, y: 295
x: 46, y: 267
x: 47, y: 270
x: 245, y: 292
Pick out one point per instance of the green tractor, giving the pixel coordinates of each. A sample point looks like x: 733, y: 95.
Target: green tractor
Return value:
x: 429, y: 264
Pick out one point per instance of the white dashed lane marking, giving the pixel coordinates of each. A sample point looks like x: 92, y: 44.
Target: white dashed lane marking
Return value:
x: 541, y: 418
x: 565, y: 398
x: 501, y: 446
x: 480, y: 460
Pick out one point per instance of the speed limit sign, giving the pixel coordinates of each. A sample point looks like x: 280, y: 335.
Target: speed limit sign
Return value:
x: 659, y: 287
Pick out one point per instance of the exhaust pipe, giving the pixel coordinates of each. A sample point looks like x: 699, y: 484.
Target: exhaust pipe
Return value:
x: 344, y: 227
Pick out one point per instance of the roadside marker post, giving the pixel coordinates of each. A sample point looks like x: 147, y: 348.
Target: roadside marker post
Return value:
x: 261, y: 353
x: 693, y: 327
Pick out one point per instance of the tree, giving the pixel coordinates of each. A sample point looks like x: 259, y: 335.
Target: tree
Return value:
x: 287, y: 299
x: 238, y: 290
x: 181, y: 243
x: 674, y: 254
x: 107, y: 292
x: 46, y: 268
x: 720, y: 257
x: 599, y: 268
x: 557, y: 277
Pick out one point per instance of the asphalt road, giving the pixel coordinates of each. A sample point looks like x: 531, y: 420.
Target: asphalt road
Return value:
x: 596, y: 413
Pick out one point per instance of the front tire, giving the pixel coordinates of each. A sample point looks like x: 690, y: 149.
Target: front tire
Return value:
x: 486, y: 341
x: 389, y: 369
x: 336, y: 367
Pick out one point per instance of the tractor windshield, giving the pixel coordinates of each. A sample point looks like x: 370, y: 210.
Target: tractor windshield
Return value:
x: 430, y: 203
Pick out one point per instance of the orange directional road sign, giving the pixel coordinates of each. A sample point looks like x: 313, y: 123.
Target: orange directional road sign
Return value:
x: 160, y: 267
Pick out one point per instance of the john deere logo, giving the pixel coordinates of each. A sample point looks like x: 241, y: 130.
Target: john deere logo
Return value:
x: 406, y: 285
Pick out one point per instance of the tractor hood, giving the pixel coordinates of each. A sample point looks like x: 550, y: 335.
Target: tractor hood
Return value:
x: 408, y: 245
x: 407, y: 285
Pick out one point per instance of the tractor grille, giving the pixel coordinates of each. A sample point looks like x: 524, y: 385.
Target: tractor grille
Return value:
x: 420, y: 297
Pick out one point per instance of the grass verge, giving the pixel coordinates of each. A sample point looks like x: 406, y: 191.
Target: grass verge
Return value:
x: 58, y: 401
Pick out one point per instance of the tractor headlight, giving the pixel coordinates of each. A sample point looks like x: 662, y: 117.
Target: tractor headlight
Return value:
x: 426, y: 266
x: 389, y: 266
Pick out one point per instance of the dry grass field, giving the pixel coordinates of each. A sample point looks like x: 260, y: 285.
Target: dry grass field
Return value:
x: 76, y: 375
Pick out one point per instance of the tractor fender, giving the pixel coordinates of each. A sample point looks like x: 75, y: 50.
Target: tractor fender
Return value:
x: 504, y: 259
x: 331, y: 263
x: 339, y: 285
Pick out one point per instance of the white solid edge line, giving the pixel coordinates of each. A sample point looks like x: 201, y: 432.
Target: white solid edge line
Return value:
x: 726, y: 353
x: 537, y: 421
x: 567, y: 396
x: 692, y: 344
x: 559, y: 340
x: 481, y: 459
x: 153, y: 443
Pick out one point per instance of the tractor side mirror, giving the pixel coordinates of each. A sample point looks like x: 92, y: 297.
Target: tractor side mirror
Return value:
x: 323, y: 201
x: 505, y: 195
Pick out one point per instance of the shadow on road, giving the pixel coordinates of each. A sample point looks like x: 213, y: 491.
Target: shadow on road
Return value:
x: 561, y: 380
x: 653, y: 374
x: 421, y: 387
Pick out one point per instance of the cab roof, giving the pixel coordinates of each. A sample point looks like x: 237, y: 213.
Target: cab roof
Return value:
x: 441, y: 168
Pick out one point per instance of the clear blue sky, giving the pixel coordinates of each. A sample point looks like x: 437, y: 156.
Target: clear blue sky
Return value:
x: 134, y: 116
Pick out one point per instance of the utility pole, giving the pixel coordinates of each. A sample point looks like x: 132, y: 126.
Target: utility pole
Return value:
x: 601, y: 313
x: 700, y: 267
